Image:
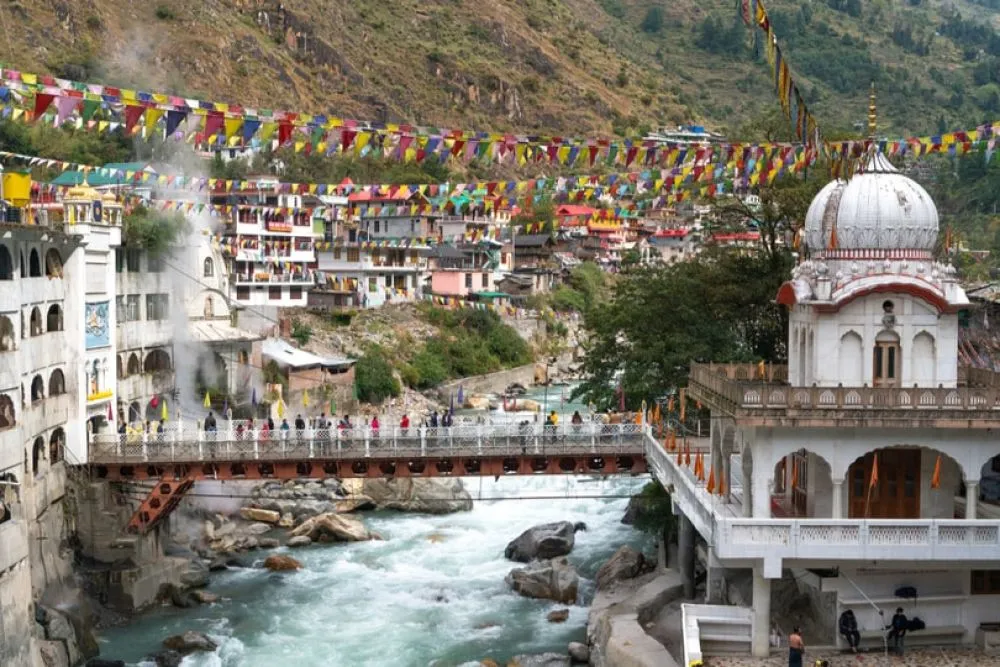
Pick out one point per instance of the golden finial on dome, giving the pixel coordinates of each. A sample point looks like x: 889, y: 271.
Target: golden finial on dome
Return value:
x: 872, y: 114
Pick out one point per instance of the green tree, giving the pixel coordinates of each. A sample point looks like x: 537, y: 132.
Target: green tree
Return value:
x: 653, y: 21
x: 154, y: 231
x: 374, y: 378
x: 301, y: 332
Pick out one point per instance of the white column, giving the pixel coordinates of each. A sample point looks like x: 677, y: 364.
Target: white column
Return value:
x: 838, y: 499
x: 760, y: 642
x: 971, y: 498
x: 761, y: 492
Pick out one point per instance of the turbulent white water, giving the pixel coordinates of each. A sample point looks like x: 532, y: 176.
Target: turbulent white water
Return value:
x: 432, y: 593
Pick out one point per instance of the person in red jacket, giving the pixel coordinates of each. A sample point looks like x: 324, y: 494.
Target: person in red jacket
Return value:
x: 404, y: 425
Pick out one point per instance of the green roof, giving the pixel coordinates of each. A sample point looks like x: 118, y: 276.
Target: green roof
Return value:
x: 492, y: 295
x: 99, y: 178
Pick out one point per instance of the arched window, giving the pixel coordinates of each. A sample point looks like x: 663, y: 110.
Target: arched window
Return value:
x: 6, y: 264
x: 133, y: 365
x: 57, y: 446
x: 54, y: 319
x: 886, y: 363
x: 209, y: 269
x: 7, y: 419
x: 24, y: 266
x: 53, y: 264
x: 243, y: 357
x: 209, y: 310
x: 134, y: 412
x: 37, y: 455
x: 7, y: 338
x: 156, y: 360
x: 36, y: 322
x: 34, y: 264
x: 37, y: 389
x: 119, y: 368
x: 57, y: 383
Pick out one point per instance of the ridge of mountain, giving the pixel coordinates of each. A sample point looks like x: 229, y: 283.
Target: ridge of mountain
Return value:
x: 581, y: 67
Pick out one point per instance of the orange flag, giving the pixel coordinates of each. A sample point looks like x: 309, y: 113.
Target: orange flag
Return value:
x: 711, y: 480
x: 795, y: 473
x: 874, y: 478
x: 697, y: 465
x: 936, y: 477
x: 680, y: 457
x: 687, y: 454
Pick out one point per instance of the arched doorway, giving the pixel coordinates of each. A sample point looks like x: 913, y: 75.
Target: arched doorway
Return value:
x: 53, y: 263
x: 34, y: 264
x: 133, y: 365
x: 903, y: 483
x: 54, y: 318
x: 802, y: 486
x: 37, y: 456
x: 57, y: 446
x: 6, y: 264
x: 7, y: 338
x: 156, y: 360
x: 37, y: 389
x: 989, y: 481
x: 57, y: 383
x: 134, y: 412
x: 36, y: 322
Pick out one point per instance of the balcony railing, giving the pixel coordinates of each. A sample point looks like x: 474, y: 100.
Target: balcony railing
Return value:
x: 734, y: 537
x: 765, y: 388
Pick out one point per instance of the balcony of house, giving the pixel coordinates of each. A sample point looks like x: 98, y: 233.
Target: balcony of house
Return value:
x: 45, y: 412
x: 144, y: 385
x: 42, y: 350
x: 761, y: 394
x: 299, y: 278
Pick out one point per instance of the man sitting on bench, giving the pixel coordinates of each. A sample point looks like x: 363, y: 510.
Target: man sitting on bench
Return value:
x: 849, y: 628
x: 897, y: 630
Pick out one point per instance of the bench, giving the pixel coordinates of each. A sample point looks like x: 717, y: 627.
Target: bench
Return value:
x: 929, y: 636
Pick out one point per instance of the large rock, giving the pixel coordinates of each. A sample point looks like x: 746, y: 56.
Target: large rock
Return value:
x: 637, y: 507
x: 557, y: 616
x: 333, y: 527
x: 53, y: 654
x: 281, y: 563
x: 408, y: 494
x: 300, y: 541
x: 541, y: 660
x: 167, y: 658
x: 549, y: 540
x: 546, y: 579
x: 626, y: 563
x: 477, y: 402
x: 190, y: 642
x: 59, y: 628
x: 579, y: 653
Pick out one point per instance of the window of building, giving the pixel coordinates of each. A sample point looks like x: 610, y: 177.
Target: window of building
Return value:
x: 120, y: 309
x: 209, y: 268
x: 274, y: 293
x: 373, y: 284
x: 119, y: 260
x: 484, y: 280
x: 133, y: 259
x: 376, y: 226
x: 887, y: 360
x: 243, y: 293
x: 155, y: 264
x: 157, y: 306
x: 353, y: 255
x: 336, y: 253
x: 132, y: 313
x: 295, y: 293
x: 468, y: 281
x: 414, y: 256
x: 986, y: 582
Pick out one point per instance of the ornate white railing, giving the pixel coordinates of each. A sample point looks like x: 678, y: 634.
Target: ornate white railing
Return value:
x: 820, y: 539
x: 189, y: 444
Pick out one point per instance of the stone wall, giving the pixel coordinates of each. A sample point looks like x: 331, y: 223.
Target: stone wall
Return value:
x: 15, y: 615
x: 615, y: 629
x: 492, y: 383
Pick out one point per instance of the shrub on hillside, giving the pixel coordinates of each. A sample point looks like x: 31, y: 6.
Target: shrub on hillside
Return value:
x: 374, y: 378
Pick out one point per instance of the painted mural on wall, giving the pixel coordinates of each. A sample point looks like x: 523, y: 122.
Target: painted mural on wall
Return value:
x: 96, y: 325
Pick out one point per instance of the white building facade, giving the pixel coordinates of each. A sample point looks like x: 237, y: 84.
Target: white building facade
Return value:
x: 857, y: 466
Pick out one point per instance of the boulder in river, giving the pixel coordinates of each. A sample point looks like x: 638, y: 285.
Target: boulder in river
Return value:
x: 557, y: 616
x: 579, y: 653
x: 190, y: 642
x: 333, y: 527
x: 300, y: 541
x: 281, y: 563
x: 626, y: 563
x: 429, y: 495
x: 548, y: 540
x: 546, y: 579
x: 261, y: 515
x: 166, y: 658
x: 541, y: 660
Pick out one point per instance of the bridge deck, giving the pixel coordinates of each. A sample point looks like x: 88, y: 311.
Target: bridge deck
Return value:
x: 459, y: 450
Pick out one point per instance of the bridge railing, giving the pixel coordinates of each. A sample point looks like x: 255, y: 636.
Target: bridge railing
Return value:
x: 294, y: 444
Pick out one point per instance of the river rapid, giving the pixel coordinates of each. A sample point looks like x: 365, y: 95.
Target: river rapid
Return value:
x: 431, y: 594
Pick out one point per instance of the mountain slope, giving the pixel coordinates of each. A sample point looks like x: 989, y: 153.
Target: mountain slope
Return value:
x: 564, y: 66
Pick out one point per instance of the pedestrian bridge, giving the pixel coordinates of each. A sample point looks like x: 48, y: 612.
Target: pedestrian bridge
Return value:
x: 185, y: 451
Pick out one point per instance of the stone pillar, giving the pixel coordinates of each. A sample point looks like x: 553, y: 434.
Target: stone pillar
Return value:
x: 746, y: 473
x: 760, y: 639
x: 761, y: 492
x: 686, y: 554
x: 838, y: 499
x: 971, y: 498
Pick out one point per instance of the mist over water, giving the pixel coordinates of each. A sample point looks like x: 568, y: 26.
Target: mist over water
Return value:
x: 432, y: 593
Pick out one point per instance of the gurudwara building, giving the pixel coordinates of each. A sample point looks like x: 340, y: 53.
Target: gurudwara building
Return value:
x: 856, y: 469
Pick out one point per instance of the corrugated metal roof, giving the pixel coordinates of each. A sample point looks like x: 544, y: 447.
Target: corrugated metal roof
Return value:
x: 285, y: 354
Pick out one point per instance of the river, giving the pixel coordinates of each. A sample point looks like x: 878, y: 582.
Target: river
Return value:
x: 432, y: 593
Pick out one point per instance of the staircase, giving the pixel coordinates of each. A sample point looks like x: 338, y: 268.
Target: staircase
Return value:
x: 161, y: 500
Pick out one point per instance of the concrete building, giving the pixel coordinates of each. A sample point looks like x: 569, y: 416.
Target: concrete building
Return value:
x: 270, y: 245
x: 849, y: 466
x: 57, y: 385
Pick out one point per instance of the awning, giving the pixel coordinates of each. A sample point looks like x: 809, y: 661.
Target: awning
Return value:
x: 284, y: 354
x: 220, y: 331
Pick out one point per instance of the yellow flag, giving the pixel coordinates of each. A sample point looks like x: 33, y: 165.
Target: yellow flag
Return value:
x: 163, y: 411
x: 266, y: 131
x: 208, y: 400
x: 305, y: 398
x: 281, y: 409
x: 233, y: 126
x: 152, y: 115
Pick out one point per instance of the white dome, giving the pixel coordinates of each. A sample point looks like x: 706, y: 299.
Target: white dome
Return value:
x: 877, y: 209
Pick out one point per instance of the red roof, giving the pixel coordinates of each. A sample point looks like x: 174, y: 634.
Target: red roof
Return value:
x: 736, y: 236
x: 671, y: 233
x: 401, y: 193
x: 572, y: 210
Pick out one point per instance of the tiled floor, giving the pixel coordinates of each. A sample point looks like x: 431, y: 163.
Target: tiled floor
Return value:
x: 917, y: 657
